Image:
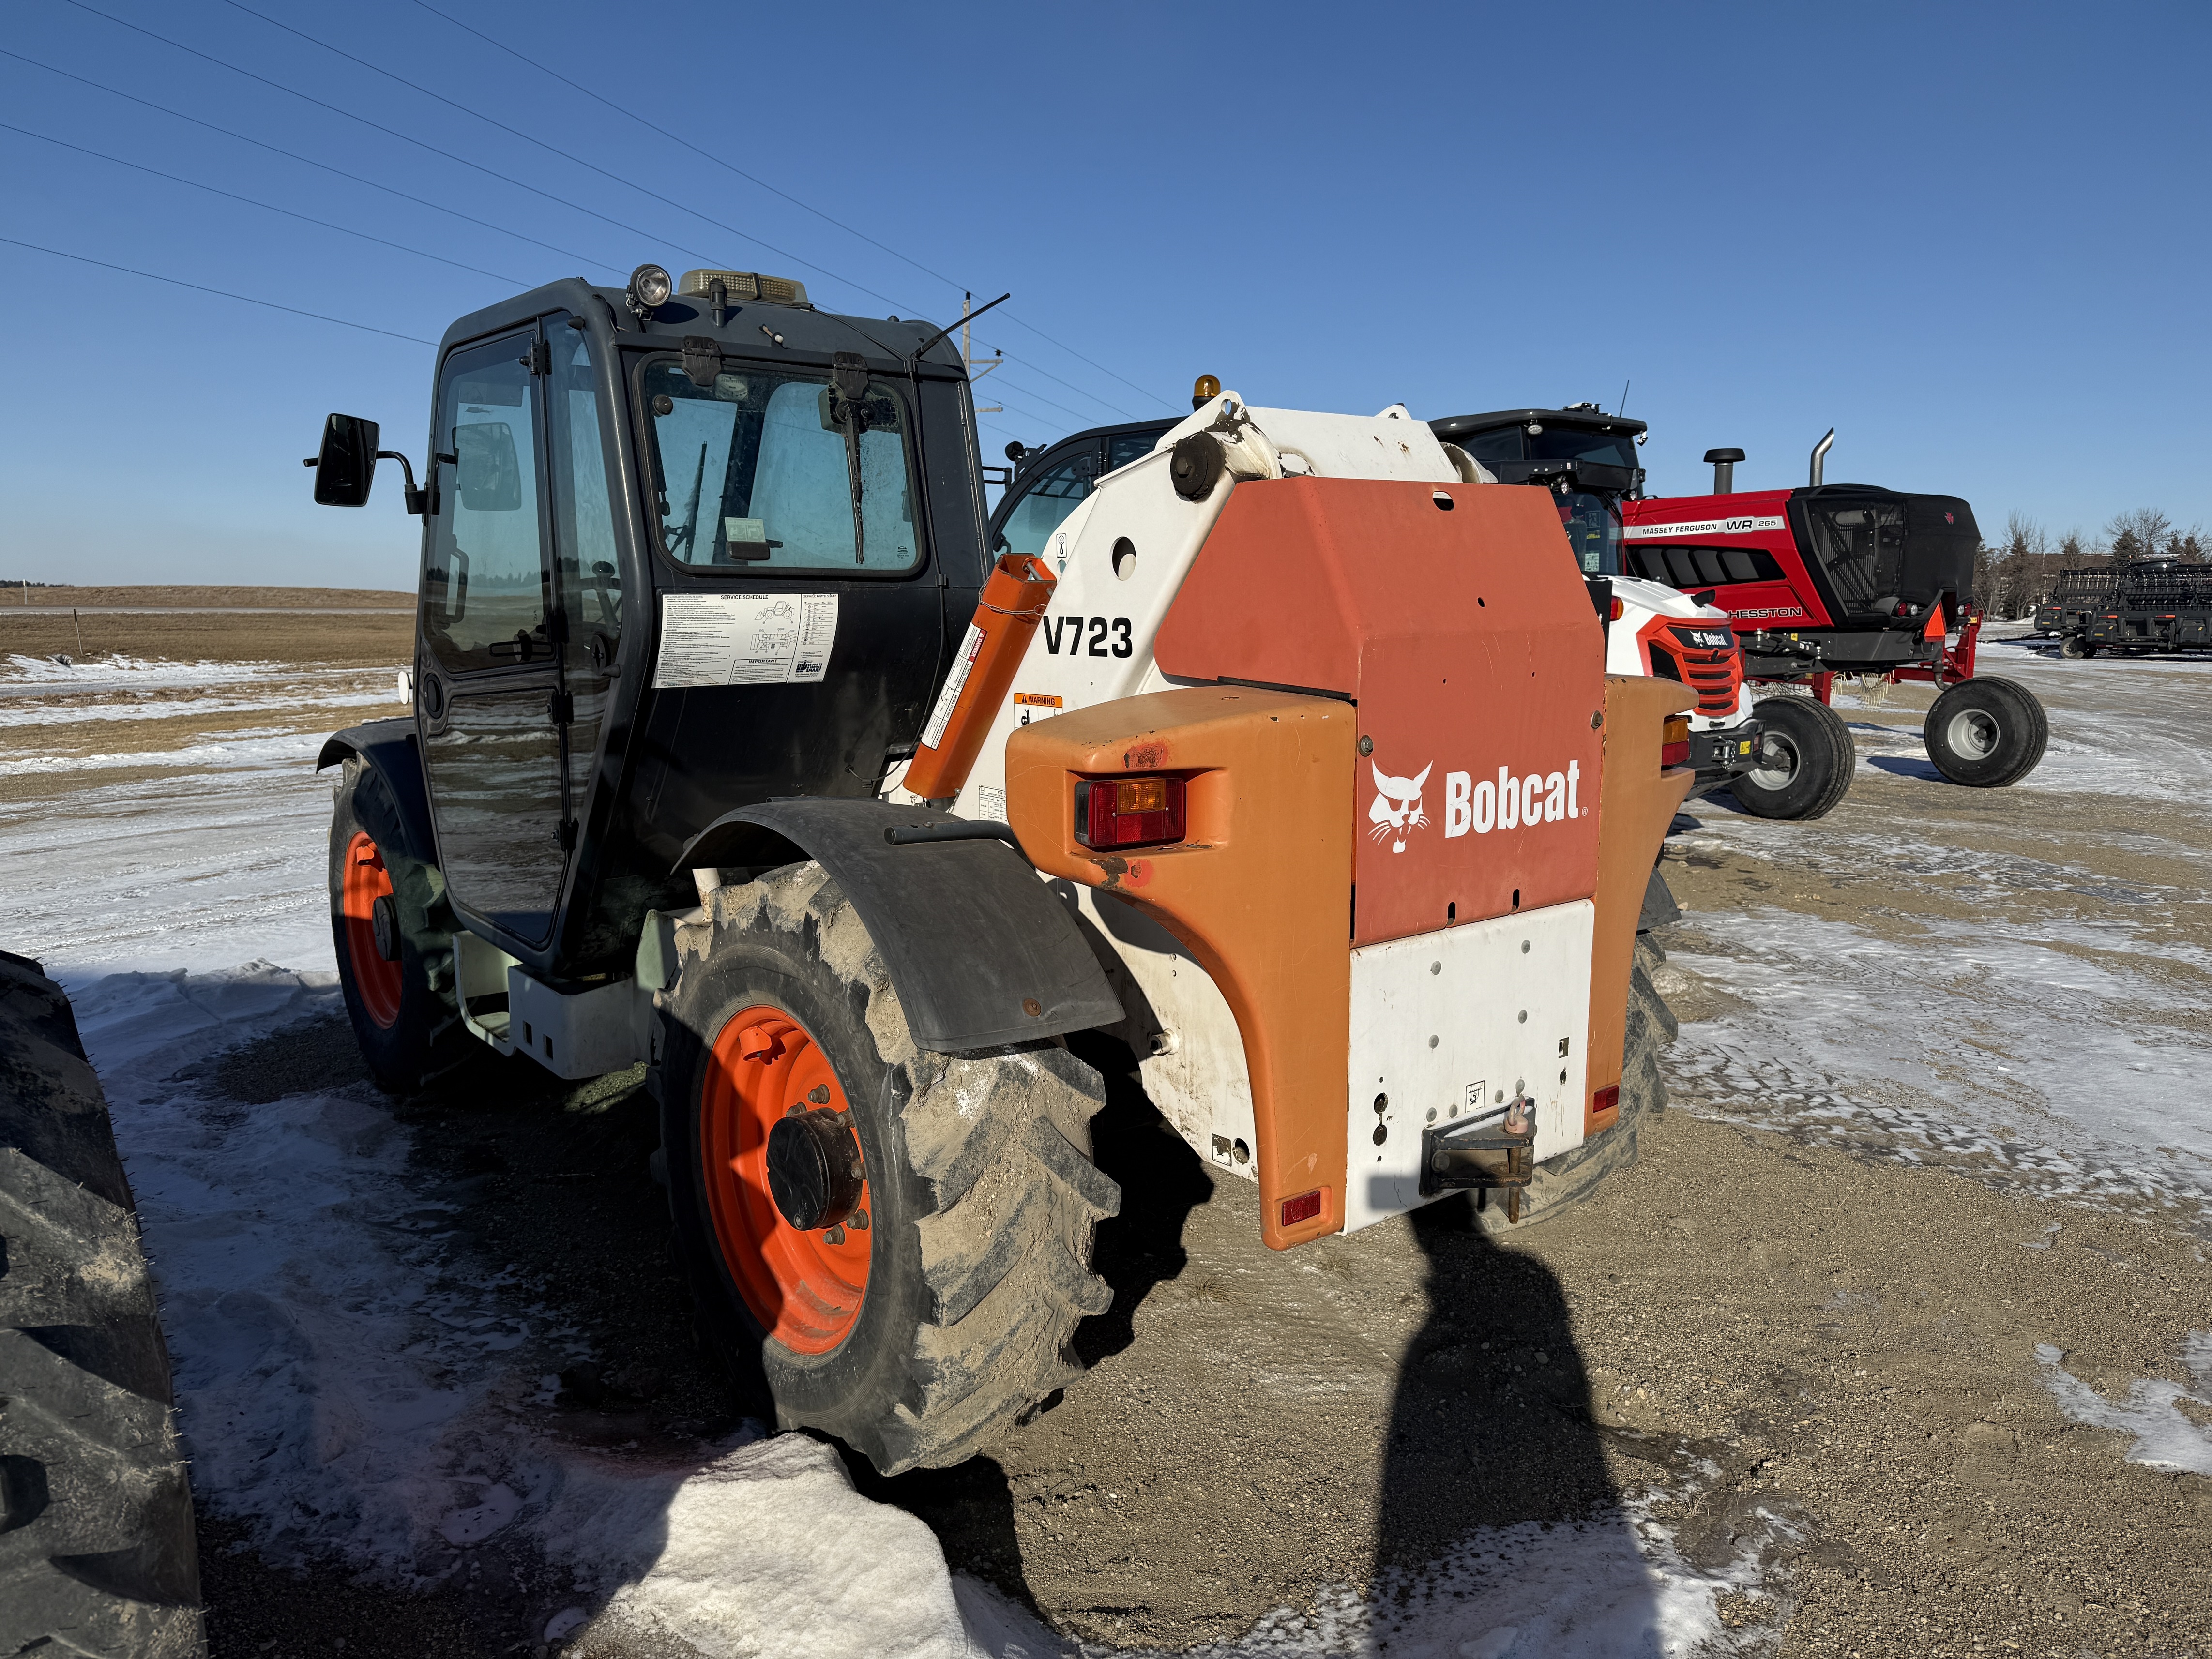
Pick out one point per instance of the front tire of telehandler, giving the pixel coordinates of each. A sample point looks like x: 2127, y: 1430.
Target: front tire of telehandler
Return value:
x: 924, y: 1293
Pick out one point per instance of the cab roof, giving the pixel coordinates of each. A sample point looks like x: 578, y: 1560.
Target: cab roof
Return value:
x: 1453, y: 427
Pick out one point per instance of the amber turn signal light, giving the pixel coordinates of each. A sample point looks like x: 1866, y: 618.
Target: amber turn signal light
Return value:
x: 1674, y: 747
x: 1112, y: 813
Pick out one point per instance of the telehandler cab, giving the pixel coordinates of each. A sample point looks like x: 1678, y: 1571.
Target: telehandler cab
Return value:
x: 1292, y: 764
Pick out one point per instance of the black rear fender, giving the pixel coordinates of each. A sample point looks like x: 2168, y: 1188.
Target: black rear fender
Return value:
x: 980, y: 951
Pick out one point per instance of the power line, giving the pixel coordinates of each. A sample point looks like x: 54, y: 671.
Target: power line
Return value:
x: 651, y: 126
x: 270, y: 207
x: 551, y: 149
x: 308, y: 160
x: 224, y: 293
x: 1026, y: 391
x: 805, y: 206
x: 389, y: 132
x: 503, y: 178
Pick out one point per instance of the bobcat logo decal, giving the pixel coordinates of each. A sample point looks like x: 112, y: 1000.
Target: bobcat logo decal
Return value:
x: 1397, y: 806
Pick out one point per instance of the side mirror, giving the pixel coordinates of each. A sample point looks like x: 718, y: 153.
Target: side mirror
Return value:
x: 347, y: 464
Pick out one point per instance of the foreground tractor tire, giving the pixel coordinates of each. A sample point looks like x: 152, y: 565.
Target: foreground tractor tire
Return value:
x: 1564, y: 1182
x: 380, y: 899
x: 97, y: 1551
x: 1805, y: 758
x: 895, y: 1244
x: 1987, y: 732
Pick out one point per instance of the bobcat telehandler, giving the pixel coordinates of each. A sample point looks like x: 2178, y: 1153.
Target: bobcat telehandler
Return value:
x: 1294, y: 765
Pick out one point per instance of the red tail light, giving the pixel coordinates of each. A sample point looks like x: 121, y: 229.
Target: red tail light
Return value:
x: 1304, y: 1208
x: 1607, y: 1099
x: 1117, y: 812
x: 1674, y: 749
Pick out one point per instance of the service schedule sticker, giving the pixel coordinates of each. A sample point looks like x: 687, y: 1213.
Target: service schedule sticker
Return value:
x: 744, y: 639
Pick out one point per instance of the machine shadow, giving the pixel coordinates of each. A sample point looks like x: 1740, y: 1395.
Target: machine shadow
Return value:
x: 1491, y: 1426
x: 970, y: 1506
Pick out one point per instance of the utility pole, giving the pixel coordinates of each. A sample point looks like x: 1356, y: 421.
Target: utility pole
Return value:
x: 977, y: 367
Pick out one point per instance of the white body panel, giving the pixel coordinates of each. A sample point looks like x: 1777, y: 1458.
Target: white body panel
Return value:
x: 1454, y: 1025
x: 1181, y: 1029
x: 1640, y: 601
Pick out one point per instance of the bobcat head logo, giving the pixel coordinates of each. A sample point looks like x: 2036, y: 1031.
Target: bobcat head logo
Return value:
x: 1397, y: 805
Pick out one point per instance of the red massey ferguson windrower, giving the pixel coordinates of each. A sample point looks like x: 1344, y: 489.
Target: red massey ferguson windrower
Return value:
x: 1843, y: 579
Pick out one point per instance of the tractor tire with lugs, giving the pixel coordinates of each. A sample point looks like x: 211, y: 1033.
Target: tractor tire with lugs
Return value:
x: 1805, y: 758
x: 97, y: 1551
x: 893, y: 1244
x: 1986, y: 733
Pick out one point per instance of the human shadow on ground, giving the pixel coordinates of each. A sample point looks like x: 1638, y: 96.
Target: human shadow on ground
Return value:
x: 1491, y: 1425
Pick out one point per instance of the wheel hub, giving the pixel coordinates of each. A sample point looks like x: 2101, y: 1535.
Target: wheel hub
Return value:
x: 813, y: 1169
x: 1778, y: 761
x: 370, y: 915
x: 1973, y: 732
x: 785, y: 1181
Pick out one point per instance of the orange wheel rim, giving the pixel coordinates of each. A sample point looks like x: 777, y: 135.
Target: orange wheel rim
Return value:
x: 805, y: 1288
x: 366, y: 881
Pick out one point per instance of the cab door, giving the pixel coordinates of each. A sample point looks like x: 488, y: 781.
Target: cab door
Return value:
x: 489, y: 712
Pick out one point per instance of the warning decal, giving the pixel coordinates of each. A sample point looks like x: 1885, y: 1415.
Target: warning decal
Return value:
x: 744, y: 639
x: 1038, y: 705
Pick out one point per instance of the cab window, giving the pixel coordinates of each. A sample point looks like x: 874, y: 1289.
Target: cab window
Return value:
x: 1045, y: 502
x: 484, y: 576
x: 766, y: 470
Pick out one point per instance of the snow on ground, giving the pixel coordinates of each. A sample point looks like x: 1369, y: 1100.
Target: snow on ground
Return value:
x: 2121, y: 725
x: 2063, y: 1059
x: 2165, y: 1436
x: 350, y: 1382
x: 1948, y: 1048
x: 24, y: 677
x: 207, y: 869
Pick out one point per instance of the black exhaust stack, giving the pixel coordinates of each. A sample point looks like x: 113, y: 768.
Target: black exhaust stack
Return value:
x: 1724, y: 464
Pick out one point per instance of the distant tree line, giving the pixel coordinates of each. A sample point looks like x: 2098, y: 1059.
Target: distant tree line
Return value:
x: 5, y: 582
x: 2012, y: 579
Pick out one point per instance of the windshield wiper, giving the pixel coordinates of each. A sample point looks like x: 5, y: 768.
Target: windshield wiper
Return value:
x: 849, y: 387
x: 689, y: 534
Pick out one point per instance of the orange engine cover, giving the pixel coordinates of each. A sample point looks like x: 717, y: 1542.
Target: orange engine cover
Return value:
x: 1466, y: 636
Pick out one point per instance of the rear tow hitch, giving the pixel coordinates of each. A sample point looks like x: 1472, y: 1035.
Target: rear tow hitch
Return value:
x: 1497, y: 1151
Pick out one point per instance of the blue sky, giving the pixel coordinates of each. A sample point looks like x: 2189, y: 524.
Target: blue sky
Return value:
x: 1973, y: 238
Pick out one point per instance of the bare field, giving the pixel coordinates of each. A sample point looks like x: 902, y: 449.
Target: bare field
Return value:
x: 178, y: 624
